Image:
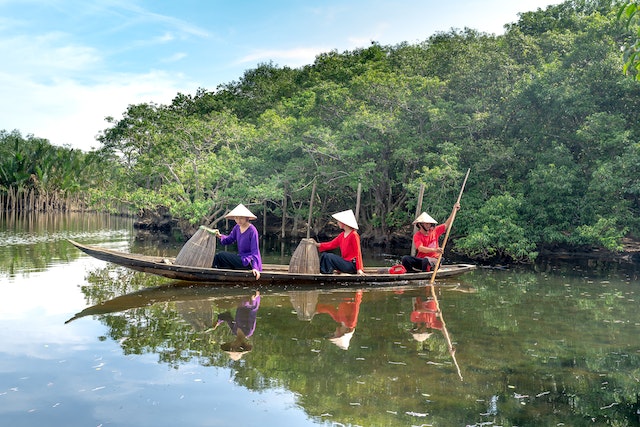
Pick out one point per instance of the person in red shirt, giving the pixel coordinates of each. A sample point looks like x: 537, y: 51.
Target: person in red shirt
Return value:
x: 350, y: 258
x: 426, y: 242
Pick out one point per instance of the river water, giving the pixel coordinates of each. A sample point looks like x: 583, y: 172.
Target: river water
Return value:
x: 86, y: 343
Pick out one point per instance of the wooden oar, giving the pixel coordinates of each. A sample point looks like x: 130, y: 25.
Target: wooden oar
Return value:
x: 446, y: 236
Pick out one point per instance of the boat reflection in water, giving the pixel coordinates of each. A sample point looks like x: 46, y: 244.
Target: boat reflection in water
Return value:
x: 304, y: 341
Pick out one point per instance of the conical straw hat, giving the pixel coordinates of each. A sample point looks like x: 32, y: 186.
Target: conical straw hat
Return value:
x: 421, y: 336
x: 347, y: 218
x: 425, y: 217
x: 240, y: 210
x: 342, y: 341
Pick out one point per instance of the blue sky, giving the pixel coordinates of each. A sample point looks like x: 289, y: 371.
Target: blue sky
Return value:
x: 67, y: 64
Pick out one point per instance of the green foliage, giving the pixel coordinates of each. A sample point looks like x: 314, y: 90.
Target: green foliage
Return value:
x: 499, y: 233
x: 604, y: 232
x: 30, y: 163
x: 629, y: 14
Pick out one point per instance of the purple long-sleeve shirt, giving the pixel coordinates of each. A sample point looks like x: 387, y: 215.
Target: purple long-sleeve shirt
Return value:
x: 248, y: 248
x: 246, y: 316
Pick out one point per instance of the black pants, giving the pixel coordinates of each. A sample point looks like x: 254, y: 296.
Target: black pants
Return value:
x: 413, y: 263
x: 229, y: 261
x: 330, y: 262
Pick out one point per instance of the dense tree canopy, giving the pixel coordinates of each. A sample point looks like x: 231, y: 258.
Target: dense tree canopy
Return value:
x: 542, y: 115
x: 629, y: 13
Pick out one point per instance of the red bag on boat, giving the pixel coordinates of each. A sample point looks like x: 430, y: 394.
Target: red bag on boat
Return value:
x: 397, y: 269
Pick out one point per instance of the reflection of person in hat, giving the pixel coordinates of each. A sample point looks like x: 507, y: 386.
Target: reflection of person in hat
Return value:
x: 246, y: 236
x: 350, y: 259
x: 426, y: 242
x: 245, y: 318
x: 346, y: 314
x: 424, y: 318
x: 238, y: 347
x: 242, y: 326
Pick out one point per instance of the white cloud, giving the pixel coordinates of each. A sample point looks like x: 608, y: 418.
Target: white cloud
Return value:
x: 55, y: 89
x: 46, y: 55
x: 176, y: 57
x: 292, y: 57
x: 69, y: 112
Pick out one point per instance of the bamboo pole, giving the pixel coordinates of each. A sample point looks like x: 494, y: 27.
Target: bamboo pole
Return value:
x: 284, y: 214
x: 305, y: 258
x: 264, y: 218
x: 358, y: 201
x: 313, y: 196
x: 446, y: 236
x: 445, y: 332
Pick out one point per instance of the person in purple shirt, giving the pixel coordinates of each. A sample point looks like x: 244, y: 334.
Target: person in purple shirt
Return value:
x: 245, y: 235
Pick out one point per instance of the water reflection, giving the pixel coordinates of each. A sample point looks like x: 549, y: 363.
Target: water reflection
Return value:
x: 433, y: 318
x: 199, y: 311
x: 537, y: 346
x: 242, y: 326
x: 304, y: 303
x: 425, y: 316
x: 346, y: 316
x: 29, y: 242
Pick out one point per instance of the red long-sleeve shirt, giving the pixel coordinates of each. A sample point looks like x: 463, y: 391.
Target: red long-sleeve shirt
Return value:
x: 349, y: 247
x: 346, y: 312
x: 429, y: 240
x: 426, y: 312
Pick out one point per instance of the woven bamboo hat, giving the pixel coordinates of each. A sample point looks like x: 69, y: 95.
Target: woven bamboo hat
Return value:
x: 426, y: 218
x: 347, y: 218
x: 240, y: 210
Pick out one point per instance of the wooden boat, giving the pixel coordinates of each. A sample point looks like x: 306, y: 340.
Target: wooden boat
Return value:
x: 272, y: 274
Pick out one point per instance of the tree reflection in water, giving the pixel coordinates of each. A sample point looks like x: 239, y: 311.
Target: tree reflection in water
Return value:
x: 522, y: 360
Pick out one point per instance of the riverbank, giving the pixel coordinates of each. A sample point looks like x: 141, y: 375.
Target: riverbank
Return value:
x: 630, y: 252
x: 163, y: 223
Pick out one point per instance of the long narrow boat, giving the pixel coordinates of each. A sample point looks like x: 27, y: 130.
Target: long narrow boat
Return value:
x: 271, y: 274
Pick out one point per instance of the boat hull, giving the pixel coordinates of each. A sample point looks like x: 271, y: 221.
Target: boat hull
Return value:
x: 271, y: 275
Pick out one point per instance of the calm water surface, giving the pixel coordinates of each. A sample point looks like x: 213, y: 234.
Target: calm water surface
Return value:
x: 85, y: 343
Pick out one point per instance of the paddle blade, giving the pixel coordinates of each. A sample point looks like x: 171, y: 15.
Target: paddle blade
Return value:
x: 305, y: 258
x: 198, y: 251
